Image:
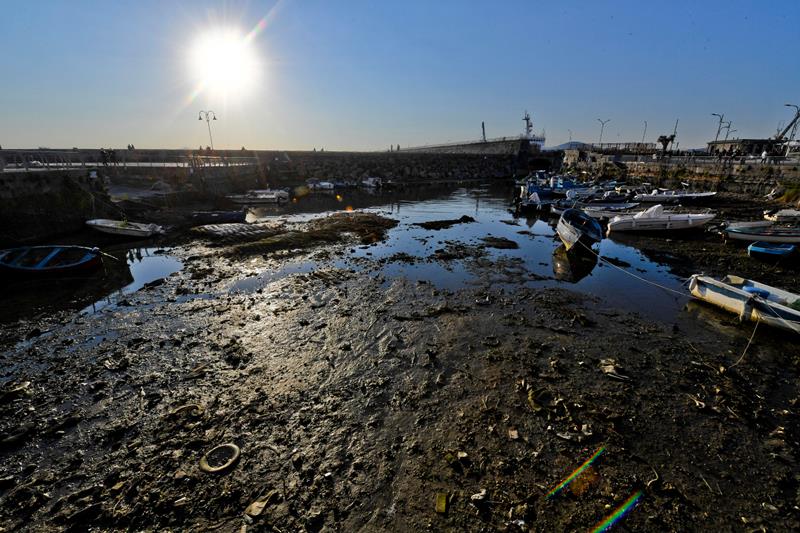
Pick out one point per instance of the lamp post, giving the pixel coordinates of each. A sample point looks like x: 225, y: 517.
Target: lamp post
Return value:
x: 208, y: 116
x: 645, y: 131
x: 602, y: 127
x: 719, y: 126
x: 794, y: 128
x: 570, y: 135
x: 727, y: 127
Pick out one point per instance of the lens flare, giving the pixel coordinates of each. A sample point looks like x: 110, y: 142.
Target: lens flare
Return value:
x: 575, y: 474
x: 618, y: 514
x: 224, y: 63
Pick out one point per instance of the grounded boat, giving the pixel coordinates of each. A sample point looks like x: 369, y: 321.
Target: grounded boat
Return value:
x: 672, y: 197
x: 200, y: 218
x: 656, y: 219
x: 49, y: 260
x: 770, y: 249
x: 575, y: 225
x: 260, y: 196
x: 750, y: 300
x: 534, y: 203
x: 762, y: 231
x: 783, y: 215
x: 124, y: 227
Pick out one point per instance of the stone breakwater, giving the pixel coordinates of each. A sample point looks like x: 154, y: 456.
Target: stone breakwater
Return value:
x: 405, y: 167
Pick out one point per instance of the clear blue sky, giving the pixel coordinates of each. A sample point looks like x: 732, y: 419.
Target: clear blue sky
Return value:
x: 357, y: 74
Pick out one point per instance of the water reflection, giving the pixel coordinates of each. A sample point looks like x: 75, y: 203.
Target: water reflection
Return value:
x: 572, y: 265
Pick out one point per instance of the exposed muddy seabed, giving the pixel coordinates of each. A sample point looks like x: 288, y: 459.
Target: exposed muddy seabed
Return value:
x: 357, y: 397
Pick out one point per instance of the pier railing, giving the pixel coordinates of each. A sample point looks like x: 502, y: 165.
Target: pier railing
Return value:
x: 32, y: 160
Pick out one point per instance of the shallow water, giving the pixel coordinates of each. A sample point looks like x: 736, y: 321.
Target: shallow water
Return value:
x: 145, y: 265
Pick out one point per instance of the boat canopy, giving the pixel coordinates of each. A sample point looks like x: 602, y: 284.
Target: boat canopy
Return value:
x: 651, y: 212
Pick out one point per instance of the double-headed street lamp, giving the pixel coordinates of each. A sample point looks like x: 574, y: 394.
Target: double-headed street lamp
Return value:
x: 209, y: 116
x: 602, y: 127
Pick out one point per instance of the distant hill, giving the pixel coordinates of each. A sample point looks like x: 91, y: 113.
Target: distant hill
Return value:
x: 572, y: 145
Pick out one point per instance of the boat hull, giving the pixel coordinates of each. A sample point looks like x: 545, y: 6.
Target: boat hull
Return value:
x: 771, y: 235
x: 123, y: 228
x: 770, y: 250
x: 576, y: 226
x: 662, y: 223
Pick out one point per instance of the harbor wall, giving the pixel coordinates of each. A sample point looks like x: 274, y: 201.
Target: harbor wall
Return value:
x: 48, y: 203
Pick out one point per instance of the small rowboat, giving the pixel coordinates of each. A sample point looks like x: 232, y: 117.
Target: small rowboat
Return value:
x: 49, y: 260
x: 667, y: 197
x: 123, y: 227
x: 750, y: 300
x: 200, y: 218
x: 575, y: 225
x: 260, y: 196
x: 769, y: 249
x: 763, y: 231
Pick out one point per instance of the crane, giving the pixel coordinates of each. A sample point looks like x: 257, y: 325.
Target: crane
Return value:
x: 792, y: 123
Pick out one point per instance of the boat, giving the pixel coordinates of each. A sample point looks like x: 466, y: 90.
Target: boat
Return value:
x: 49, y: 260
x: 770, y: 249
x: 316, y: 185
x: 534, y: 203
x: 782, y: 215
x: 260, y: 196
x: 200, y: 218
x: 371, y: 182
x: 575, y: 225
x: 763, y: 232
x: 663, y: 196
x: 750, y: 300
x: 124, y: 227
x: 656, y: 219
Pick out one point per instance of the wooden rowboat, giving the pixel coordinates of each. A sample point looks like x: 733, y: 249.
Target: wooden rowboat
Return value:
x: 48, y: 260
x: 750, y: 300
x: 123, y: 227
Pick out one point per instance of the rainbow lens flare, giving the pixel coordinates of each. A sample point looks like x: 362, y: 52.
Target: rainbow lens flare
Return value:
x: 618, y: 513
x: 575, y: 474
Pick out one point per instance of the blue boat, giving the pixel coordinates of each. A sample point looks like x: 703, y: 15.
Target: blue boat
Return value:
x: 49, y: 260
x: 770, y: 249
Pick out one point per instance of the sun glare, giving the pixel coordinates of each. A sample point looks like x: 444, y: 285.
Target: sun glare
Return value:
x: 224, y: 63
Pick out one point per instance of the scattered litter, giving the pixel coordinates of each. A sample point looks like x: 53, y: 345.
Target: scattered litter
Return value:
x: 229, y: 449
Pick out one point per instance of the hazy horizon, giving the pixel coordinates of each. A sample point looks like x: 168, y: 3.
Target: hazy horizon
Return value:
x: 361, y: 76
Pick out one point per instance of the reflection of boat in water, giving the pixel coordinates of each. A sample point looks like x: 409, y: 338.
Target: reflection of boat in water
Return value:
x: 572, y: 265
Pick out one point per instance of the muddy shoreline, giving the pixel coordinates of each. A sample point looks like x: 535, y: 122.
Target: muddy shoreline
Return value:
x: 363, y: 402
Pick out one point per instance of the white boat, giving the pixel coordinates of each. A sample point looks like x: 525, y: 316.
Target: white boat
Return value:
x: 656, y: 219
x: 784, y: 215
x: 671, y: 197
x: 124, y: 227
x: 315, y: 185
x: 750, y: 300
x: 575, y: 225
x: 260, y: 196
x: 762, y: 230
x: 372, y: 183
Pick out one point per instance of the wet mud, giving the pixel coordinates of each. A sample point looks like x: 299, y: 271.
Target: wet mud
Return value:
x: 339, y: 398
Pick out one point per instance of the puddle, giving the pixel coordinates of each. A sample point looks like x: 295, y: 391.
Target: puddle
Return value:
x: 254, y: 283
x: 144, y: 265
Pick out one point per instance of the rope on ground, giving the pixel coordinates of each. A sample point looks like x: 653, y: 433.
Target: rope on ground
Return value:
x: 748, y: 345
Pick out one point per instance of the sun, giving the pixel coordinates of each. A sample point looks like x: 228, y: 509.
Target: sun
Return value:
x: 224, y: 63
